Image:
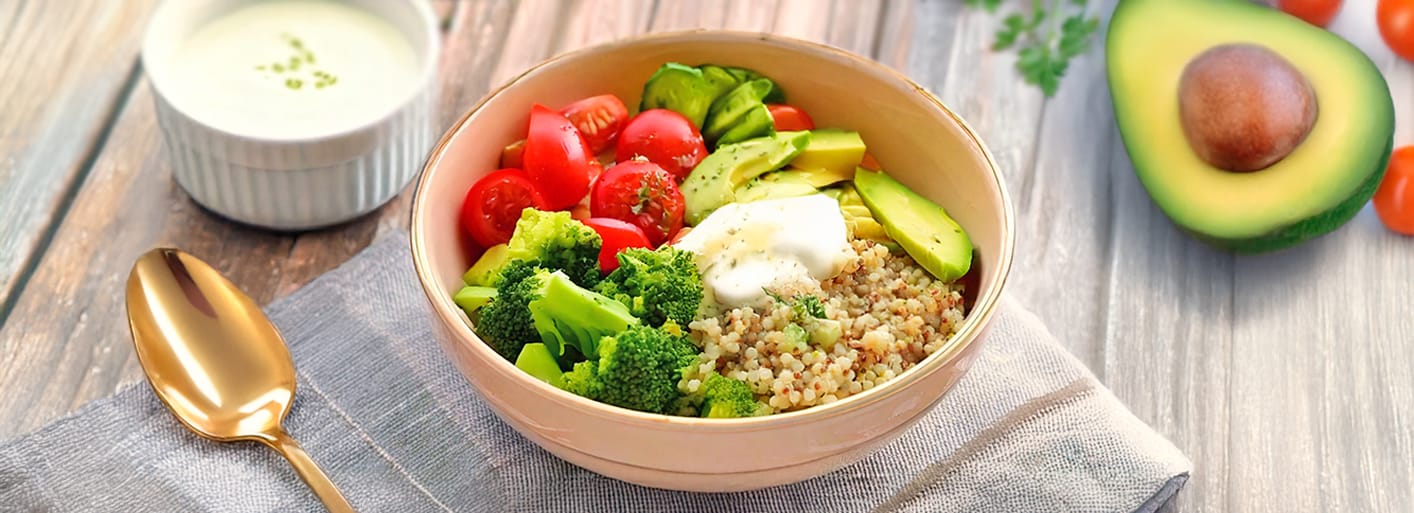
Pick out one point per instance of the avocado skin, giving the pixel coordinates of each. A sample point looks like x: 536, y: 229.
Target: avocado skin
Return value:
x: 1358, y: 165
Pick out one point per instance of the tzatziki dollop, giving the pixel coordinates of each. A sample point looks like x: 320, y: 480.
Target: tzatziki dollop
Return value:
x: 743, y: 249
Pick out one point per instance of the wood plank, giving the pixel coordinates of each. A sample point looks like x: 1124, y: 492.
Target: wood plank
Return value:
x: 69, y: 343
x: 1321, y: 381
x: 64, y: 67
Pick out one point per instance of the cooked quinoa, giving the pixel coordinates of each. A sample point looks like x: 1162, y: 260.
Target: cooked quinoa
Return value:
x: 892, y: 313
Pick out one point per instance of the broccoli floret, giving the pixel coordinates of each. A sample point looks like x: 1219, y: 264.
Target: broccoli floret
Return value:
x: 556, y: 241
x: 505, y: 323
x: 657, y: 285
x: 637, y: 369
x: 569, y: 316
x: 808, y: 306
x: 727, y: 398
x: 534, y: 304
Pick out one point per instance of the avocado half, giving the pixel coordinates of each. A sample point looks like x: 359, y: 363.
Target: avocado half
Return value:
x: 1317, y: 187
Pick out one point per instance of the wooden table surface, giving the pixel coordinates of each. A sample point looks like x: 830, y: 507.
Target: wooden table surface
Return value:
x: 1287, y: 377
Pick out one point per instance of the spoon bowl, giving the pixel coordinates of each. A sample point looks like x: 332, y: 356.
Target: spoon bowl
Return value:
x: 215, y: 360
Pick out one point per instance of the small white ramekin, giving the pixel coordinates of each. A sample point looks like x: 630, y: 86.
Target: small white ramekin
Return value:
x: 295, y: 183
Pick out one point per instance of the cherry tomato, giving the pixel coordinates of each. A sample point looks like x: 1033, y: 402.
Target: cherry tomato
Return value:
x: 677, y: 237
x: 1396, y: 21
x: 787, y: 118
x: 618, y: 235
x: 511, y: 155
x: 599, y: 119
x: 580, y: 211
x: 869, y: 163
x: 556, y: 158
x: 494, y: 203
x: 1316, y: 12
x: 665, y: 138
x: 1394, y: 201
x: 642, y: 193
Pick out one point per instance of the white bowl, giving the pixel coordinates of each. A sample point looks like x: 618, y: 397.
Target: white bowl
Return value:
x: 294, y: 183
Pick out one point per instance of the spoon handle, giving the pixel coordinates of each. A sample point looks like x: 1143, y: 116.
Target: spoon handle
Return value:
x: 308, y: 471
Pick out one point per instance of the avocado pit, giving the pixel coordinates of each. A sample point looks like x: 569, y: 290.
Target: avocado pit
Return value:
x: 1243, y: 107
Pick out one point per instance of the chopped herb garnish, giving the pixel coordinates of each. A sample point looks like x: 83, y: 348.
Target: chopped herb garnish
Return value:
x: 294, y: 83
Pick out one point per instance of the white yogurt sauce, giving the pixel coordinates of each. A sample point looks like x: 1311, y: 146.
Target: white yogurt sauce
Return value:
x: 744, y: 248
x: 292, y: 68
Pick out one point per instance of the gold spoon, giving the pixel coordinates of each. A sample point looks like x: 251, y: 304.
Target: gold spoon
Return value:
x: 215, y: 360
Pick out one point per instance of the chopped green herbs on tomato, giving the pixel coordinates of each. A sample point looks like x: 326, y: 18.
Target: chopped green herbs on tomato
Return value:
x: 642, y: 194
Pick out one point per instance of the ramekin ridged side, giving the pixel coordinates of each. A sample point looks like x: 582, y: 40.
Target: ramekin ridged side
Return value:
x: 298, y: 185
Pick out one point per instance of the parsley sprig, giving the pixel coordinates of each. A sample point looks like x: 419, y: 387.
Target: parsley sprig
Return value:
x: 1047, y: 37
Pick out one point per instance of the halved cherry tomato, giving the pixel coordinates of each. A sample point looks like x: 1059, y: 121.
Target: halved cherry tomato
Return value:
x: 599, y: 119
x: 1394, y: 200
x: 580, y: 211
x: 869, y: 163
x: 665, y: 138
x: 618, y: 235
x: 511, y: 155
x: 494, y: 203
x: 677, y: 237
x: 787, y: 118
x: 1396, y: 22
x: 641, y: 193
x: 1316, y: 12
x: 556, y: 158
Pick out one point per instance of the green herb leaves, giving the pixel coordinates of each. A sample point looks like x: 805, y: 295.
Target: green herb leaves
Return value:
x: 300, y: 56
x: 1045, y: 46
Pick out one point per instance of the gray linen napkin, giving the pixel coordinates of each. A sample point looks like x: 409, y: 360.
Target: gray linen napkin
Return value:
x: 398, y: 429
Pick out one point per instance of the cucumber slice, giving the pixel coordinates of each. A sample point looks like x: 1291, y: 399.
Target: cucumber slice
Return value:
x: 681, y: 89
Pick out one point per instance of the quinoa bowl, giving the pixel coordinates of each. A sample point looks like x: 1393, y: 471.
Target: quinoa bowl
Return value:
x: 909, y: 336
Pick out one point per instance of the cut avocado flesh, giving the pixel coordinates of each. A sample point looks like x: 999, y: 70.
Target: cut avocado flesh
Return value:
x: 1317, y: 187
x: 714, y: 181
x: 834, y: 153
x: 536, y: 360
x: 488, y: 267
x: 472, y: 297
x: 776, y: 184
x: 921, y: 227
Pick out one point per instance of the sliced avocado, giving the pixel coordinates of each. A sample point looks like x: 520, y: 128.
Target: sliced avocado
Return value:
x: 776, y: 184
x: 921, y: 227
x: 756, y: 123
x: 486, y: 268
x: 472, y: 297
x: 679, y: 88
x: 837, y: 152
x: 714, y: 181
x: 535, y: 359
x: 745, y: 75
x: 730, y: 108
x: 866, y: 227
x: 820, y: 177
x: 1155, y: 48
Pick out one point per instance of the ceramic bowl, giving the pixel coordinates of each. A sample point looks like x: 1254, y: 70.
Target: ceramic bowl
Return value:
x: 913, y: 136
